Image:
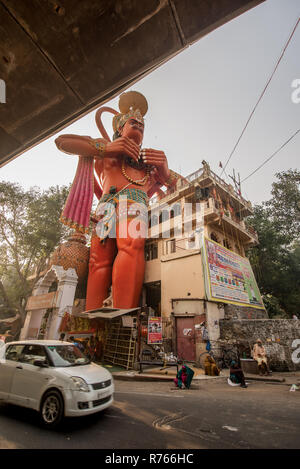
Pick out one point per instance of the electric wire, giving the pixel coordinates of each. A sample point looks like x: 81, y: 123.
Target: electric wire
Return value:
x: 261, y: 95
x: 272, y: 156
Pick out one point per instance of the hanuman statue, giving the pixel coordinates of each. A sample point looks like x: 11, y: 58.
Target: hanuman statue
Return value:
x: 128, y: 175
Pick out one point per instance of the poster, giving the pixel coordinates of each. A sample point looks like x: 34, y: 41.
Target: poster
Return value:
x: 229, y: 277
x: 154, y: 330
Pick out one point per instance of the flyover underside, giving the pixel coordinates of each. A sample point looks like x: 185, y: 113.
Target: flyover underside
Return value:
x: 60, y: 59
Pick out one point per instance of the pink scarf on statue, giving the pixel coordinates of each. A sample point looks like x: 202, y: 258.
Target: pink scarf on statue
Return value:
x: 77, y: 210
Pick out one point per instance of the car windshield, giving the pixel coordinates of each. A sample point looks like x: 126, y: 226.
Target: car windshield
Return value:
x: 67, y: 355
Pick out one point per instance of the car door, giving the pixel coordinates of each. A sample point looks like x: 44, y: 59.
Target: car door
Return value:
x: 8, y: 365
x: 30, y: 380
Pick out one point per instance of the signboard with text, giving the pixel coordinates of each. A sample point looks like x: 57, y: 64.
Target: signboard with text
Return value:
x: 45, y: 301
x: 229, y: 277
x: 154, y: 330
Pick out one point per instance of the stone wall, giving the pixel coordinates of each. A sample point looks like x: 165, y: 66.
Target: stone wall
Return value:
x: 244, y: 312
x: 279, y: 337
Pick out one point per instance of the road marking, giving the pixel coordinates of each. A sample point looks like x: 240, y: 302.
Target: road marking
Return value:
x: 231, y: 429
x: 142, y: 393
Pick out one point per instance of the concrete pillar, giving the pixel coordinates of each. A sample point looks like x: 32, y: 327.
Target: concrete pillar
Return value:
x: 214, y: 312
x: 65, y: 298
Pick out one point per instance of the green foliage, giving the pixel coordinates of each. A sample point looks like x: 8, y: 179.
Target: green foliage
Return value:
x: 29, y: 232
x: 276, y: 260
x: 284, y: 206
x: 273, y: 307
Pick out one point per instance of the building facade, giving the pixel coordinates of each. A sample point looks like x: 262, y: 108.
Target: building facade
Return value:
x: 201, y: 207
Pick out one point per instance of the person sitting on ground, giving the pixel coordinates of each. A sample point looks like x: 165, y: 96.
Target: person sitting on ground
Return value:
x: 210, y: 367
x: 184, y: 377
x: 237, y: 375
x: 259, y: 355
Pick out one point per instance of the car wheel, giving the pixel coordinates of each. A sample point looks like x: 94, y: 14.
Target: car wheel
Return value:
x: 52, y: 409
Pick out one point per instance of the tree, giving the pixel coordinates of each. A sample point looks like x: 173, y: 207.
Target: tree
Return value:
x: 29, y: 232
x: 276, y: 259
x: 284, y: 206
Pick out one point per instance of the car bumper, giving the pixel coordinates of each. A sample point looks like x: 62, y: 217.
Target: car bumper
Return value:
x: 85, y: 403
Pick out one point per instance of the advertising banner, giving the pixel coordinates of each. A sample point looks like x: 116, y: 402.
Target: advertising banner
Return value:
x: 154, y: 330
x: 229, y: 277
x: 44, y: 301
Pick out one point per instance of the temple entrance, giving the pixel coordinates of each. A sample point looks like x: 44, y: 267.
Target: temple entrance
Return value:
x: 153, y: 296
x: 185, y: 332
x: 45, y: 324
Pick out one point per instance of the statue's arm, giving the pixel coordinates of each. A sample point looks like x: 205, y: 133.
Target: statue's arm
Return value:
x: 81, y: 145
x: 87, y: 146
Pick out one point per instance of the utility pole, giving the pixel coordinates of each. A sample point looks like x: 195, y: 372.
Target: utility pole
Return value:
x: 237, y: 182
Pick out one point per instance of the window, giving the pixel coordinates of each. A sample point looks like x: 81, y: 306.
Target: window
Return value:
x: 67, y: 355
x: 33, y: 352
x: 171, y: 246
x: 175, y: 210
x: 164, y: 216
x: 226, y: 244
x: 153, y: 220
x: 151, y: 251
x: 13, y: 352
x: 214, y: 237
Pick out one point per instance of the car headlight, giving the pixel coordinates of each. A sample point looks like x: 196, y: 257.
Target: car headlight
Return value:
x: 80, y: 384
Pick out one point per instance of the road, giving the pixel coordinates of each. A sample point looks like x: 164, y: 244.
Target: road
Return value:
x: 212, y: 415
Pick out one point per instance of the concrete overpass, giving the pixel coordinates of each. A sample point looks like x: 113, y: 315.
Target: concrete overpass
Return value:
x: 60, y: 59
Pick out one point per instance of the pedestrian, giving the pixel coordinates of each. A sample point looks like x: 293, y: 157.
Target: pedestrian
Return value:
x: 76, y: 343
x: 184, y: 377
x: 91, y: 348
x: 237, y: 375
x: 62, y: 337
x: 210, y: 366
x: 295, y: 317
x: 260, y: 356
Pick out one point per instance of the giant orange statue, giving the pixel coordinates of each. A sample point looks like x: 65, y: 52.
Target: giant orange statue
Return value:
x: 125, y: 172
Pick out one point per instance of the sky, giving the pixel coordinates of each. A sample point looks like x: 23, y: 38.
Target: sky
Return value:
x: 199, y: 102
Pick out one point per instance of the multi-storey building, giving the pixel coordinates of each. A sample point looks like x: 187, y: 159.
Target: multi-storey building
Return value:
x: 179, y: 277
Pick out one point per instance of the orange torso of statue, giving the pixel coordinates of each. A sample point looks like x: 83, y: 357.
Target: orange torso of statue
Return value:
x: 109, y: 171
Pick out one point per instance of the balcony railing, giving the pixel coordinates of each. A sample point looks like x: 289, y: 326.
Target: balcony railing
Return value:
x: 210, y: 209
x: 181, y: 184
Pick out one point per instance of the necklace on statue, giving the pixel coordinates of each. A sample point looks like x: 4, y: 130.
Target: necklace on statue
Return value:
x: 135, y: 165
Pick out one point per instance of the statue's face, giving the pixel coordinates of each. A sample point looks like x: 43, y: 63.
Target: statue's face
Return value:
x: 133, y: 129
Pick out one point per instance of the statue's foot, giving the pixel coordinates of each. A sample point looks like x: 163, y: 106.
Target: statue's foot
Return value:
x: 108, y: 303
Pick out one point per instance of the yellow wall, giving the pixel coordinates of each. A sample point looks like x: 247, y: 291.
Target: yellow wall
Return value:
x: 181, y: 277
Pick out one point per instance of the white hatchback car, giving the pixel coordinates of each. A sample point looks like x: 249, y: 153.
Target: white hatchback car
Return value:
x: 54, y: 378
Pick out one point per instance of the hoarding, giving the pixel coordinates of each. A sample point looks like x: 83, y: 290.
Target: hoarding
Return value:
x: 44, y: 301
x: 154, y: 330
x: 229, y: 277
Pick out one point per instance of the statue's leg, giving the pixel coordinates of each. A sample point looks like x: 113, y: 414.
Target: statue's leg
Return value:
x: 100, y: 271
x: 128, y: 271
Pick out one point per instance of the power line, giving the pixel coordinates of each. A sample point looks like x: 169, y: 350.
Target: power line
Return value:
x: 273, y: 154
x: 261, y: 95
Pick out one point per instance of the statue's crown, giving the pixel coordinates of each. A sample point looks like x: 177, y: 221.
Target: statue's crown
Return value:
x: 132, y: 105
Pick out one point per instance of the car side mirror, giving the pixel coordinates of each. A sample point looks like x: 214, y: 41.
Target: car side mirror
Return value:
x: 40, y: 363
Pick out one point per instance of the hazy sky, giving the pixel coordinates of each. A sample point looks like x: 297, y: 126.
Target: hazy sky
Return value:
x: 199, y: 103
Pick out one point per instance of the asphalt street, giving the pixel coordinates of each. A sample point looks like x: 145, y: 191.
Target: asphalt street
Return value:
x: 211, y: 415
